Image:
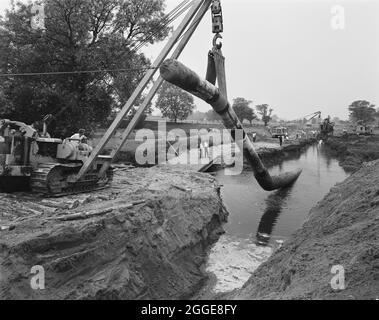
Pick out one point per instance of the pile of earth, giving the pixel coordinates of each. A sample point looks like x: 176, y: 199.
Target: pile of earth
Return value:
x: 145, y: 237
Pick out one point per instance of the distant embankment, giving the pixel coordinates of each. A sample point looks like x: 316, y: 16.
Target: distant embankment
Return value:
x: 352, y: 150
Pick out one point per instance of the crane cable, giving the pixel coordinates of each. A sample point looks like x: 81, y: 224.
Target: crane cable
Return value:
x: 165, y: 24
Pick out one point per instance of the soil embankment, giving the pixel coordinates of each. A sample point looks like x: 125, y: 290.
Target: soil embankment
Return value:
x: 352, y: 150
x: 272, y: 153
x: 343, y: 230
x: 148, y: 239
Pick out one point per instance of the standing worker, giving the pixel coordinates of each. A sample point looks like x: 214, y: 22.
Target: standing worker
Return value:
x: 281, y: 140
x: 206, y: 153
x: 201, y: 149
x: 254, y: 136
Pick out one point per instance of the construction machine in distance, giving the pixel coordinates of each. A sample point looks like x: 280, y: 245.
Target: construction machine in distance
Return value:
x: 309, y: 123
x: 326, y: 128
x: 276, y: 132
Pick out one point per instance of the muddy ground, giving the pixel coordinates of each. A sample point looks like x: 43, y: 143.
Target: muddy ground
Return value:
x: 343, y: 230
x: 352, y: 150
x: 146, y: 237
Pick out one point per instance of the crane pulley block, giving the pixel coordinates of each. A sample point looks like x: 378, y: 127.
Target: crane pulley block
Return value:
x: 216, y: 7
x: 217, y: 25
x: 217, y: 20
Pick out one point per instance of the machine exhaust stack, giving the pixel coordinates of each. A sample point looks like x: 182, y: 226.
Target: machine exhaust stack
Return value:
x: 176, y: 73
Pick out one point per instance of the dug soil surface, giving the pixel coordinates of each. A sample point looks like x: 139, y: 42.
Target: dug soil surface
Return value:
x: 145, y: 237
x: 342, y: 230
x: 353, y: 150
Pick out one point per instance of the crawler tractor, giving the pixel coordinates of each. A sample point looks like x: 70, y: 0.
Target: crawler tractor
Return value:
x: 28, y: 160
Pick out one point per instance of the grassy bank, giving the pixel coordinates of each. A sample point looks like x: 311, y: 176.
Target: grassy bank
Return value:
x: 352, y: 150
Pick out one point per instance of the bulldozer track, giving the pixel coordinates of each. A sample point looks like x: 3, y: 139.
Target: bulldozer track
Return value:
x: 50, y: 180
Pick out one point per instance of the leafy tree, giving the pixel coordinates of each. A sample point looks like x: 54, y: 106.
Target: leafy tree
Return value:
x: 265, y: 112
x: 78, y: 35
x: 242, y: 109
x: 174, y: 103
x: 362, y: 111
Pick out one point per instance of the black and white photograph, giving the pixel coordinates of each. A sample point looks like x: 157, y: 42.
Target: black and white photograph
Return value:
x: 188, y: 156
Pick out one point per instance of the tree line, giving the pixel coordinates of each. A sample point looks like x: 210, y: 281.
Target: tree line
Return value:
x: 243, y: 109
x: 176, y: 104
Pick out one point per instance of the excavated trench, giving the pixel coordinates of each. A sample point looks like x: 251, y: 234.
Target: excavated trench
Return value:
x: 260, y: 222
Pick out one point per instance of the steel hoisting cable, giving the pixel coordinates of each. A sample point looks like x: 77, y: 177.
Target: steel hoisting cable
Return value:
x: 165, y: 25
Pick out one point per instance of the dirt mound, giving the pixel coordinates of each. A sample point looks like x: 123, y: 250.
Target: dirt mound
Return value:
x: 144, y: 238
x: 343, y: 229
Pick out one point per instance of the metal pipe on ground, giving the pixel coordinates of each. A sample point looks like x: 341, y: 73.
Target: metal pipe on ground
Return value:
x: 179, y: 75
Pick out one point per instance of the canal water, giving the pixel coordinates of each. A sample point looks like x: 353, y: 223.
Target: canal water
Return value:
x: 261, y: 221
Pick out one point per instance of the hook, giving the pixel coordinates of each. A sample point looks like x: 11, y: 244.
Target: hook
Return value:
x: 215, y: 38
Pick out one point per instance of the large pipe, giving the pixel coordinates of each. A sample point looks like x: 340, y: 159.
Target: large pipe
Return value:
x: 176, y: 73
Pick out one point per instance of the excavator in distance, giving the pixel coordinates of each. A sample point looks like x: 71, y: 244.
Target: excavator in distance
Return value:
x: 326, y: 128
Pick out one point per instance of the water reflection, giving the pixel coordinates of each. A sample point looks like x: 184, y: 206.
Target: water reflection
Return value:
x: 283, y: 210
x: 275, y: 203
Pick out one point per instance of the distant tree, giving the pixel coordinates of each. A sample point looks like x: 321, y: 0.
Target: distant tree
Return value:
x: 265, y: 112
x: 174, y: 103
x: 242, y: 109
x: 212, y: 115
x: 362, y: 111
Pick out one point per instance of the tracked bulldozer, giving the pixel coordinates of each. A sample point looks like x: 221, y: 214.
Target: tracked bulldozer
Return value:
x: 30, y: 160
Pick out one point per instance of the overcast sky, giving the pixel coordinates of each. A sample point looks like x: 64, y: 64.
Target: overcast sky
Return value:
x: 288, y: 55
